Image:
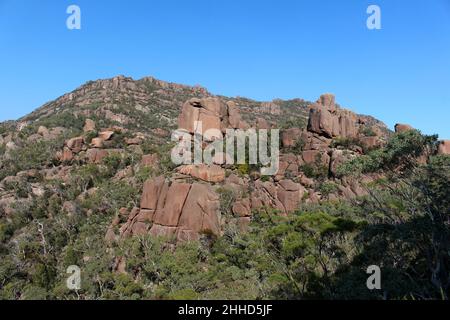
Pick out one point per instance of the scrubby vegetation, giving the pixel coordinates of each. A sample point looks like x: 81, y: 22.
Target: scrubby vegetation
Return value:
x: 320, y: 252
x: 400, y: 153
x: 57, y: 213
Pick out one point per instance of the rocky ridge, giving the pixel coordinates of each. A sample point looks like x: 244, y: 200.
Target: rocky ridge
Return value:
x: 126, y: 124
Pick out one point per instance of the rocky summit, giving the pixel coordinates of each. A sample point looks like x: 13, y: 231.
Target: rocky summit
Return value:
x: 87, y: 179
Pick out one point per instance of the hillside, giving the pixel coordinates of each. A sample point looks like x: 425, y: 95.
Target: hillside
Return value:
x: 87, y: 180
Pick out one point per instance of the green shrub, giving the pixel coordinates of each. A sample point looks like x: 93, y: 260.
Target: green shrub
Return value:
x: 65, y: 119
x: 227, y: 199
x: 315, y: 171
x: 243, y: 169
x: 346, y: 143
x: 328, y: 188
x: 35, y: 293
x: 367, y: 131
x: 6, y: 231
x: 89, y: 136
x: 402, y: 151
x: 143, y: 174
x: 21, y: 188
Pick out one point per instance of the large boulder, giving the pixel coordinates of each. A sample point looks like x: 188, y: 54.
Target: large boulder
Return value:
x: 209, y: 173
x: 370, y: 142
x: 288, y: 166
x: 242, y: 208
x: 444, y: 147
x: 330, y: 121
x: 201, y: 211
x: 316, y: 157
x: 189, y: 115
x: 212, y: 112
x: 262, y: 123
x: 328, y: 101
x: 321, y: 122
x: 43, y: 131
x: 96, y: 155
x: 269, y: 195
x: 347, y: 125
x: 138, y: 223
x: 290, y: 194
x: 66, y: 155
x: 402, y: 128
x: 149, y: 160
x: 339, y: 157
x: 89, y: 125
x: 163, y: 231
x: 75, y: 144
x: 175, y: 209
x: 106, y: 135
x: 150, y: 194
x: 234, y: 117
x: 169, y: 215
x: 290, y: 137
x: 133, y: 141
x: 97, y: 143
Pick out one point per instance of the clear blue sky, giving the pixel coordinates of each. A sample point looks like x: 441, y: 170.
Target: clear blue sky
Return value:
x: 255, y: 48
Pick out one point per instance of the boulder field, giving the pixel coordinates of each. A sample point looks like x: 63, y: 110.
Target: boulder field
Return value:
x: 186, y: 204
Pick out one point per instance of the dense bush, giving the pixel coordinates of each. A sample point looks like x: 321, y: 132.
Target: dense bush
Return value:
x: 401, y: 153
x: 31, y: 155
x: 321, y: 251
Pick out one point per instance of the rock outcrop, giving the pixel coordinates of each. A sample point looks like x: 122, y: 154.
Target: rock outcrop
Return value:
x: 213, y: 113
x: 89, y: 125
x: 284, y: 196
x: 444, y: 147
x: 208, y: 173
x: 328, y: 120
x: 75, y: 144
x: 402, y: 128
x: 270, y: 108
x: 290, y: 137
x: 177, y: 209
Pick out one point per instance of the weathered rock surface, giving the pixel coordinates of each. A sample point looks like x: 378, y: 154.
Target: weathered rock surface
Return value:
x: 89, y: 125
x: 149, y: 160
x: 184, y: 203
x: 242, y: 208
x: 284, y: 196
x: 96, y: 155
x: 175, y: 209
x: 75, y: 144
x: 106, y: 135
x: 444, y: 147
x: 175, y: 199
x: 151, y: 192
x: 338, y: 157
x: 337, y: 123
x: 209, y: 173
x: 290, y: 137
x: 97, y: 143
x: 402, y: 128
x: 316, y: 157
x: 213, y: 113
x: 201, y: 211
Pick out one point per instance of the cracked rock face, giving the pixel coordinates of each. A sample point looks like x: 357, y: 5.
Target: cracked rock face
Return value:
x: 399, y: 127
x: 175, y: 209
x: 328, y: 120
x: 444, y: 147
x: 212, y: 112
